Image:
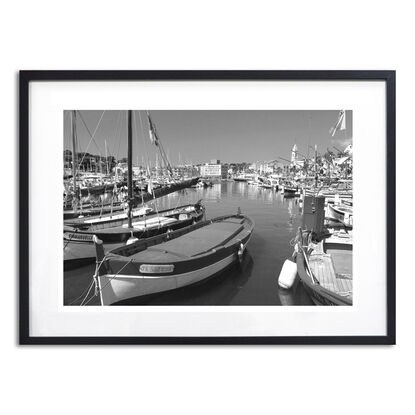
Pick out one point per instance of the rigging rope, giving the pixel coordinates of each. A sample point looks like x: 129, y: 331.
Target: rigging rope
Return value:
x: 91, y: 135
x: 89, y: 290
x: 83, y: 292
x: 70, y: 238
x: 98, y: 290
x: 118, y: 134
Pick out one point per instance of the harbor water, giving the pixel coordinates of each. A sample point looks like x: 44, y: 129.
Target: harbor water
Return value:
x: 252, y: 282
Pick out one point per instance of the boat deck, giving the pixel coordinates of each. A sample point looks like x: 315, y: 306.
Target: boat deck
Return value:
x: 193, y: 243
x: 152, y: 221
x: 333, y: 269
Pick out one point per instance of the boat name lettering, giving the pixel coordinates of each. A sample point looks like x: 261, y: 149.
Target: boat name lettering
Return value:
x: 80, y: 237
x: 153, y: 269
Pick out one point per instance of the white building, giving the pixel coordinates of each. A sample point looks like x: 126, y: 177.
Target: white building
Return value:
x: 213, y: 170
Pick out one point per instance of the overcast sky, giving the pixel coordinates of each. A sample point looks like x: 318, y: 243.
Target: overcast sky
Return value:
x: 199, y: 136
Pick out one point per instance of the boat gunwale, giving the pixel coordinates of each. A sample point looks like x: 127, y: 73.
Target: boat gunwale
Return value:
x: 124, y: 252
x: 341, y: 209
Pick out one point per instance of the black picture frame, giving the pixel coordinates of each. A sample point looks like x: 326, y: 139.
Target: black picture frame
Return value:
x: 26, y: 77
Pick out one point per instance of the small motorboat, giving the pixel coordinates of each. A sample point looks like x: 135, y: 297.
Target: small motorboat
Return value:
x: 170, y: 261
x: 266, y: 185
x: 240, y: 178
x: 289, y: 189
x: 202, y: 184
x: 343, y: 213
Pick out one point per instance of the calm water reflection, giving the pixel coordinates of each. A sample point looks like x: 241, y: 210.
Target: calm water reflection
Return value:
x: 254, y: 281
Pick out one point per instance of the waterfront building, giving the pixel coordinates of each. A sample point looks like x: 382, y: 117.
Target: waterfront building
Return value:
x: 214, y: 170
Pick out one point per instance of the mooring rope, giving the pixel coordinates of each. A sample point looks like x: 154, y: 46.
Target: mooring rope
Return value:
x: 70, y: 238
x: 97, y: 289
x: 83, y: 292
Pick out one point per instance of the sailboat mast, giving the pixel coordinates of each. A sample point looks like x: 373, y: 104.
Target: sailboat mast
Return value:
x: 106, y: 157
x: 130, y: 166
x: 74, y: 160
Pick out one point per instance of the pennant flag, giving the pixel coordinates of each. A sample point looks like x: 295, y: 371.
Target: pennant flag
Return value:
x: 349, y: 150
x: 153, y: 134
x: 343, y: 123
x: 340, y: 123
x: 149, y: 186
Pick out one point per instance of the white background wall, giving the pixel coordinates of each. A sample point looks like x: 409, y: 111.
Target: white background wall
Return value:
x: 206, y: 35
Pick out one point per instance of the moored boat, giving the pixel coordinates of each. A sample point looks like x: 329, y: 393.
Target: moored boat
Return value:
x: 290, y: 191
x: 167, y: 262
x: 266, y: 184
x: 202, y: 184
x: 240, y: 178
x: 78, y: 243
x: 342, y: 213
x: 108, y: 220
x: 92, y: 210
x: 289, y: 188
x: 323, y: 258
x: 325, y: 267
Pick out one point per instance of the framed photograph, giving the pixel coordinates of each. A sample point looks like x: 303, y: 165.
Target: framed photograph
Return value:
x: 207, y: 207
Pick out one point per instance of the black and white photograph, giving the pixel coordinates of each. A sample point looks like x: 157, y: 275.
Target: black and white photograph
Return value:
x: 207, y: 207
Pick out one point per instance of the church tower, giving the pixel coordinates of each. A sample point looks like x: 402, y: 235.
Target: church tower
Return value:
x: 294, y: 155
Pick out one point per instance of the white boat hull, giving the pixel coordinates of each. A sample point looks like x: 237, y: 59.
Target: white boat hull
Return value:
x: 338, y: 214
x: 114, y: 288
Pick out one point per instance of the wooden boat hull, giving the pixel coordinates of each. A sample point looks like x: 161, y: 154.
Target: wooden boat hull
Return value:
x: 319, y: 294
x: 124, y: 278
x: 89, y: 210
x: 344, y: 214
x: 121, y: 287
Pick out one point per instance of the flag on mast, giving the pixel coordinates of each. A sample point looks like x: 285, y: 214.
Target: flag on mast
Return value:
x: 153, y: 134
x: 340, y: 123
